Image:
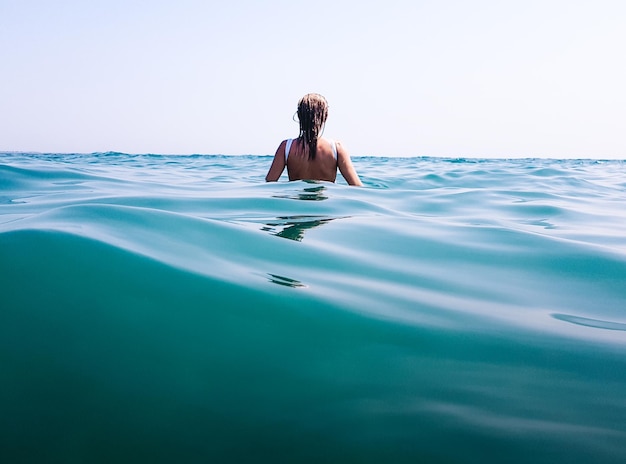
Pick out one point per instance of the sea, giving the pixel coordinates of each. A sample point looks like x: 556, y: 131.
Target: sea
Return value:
x: 179, y: 309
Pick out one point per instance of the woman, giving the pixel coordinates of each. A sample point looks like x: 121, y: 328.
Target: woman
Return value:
x: 310, y: 156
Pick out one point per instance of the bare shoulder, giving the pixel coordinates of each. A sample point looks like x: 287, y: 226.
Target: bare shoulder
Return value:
x: 345, y: 165
x: 280, y: 151
x: 278, y: 163
x: 342, y: 151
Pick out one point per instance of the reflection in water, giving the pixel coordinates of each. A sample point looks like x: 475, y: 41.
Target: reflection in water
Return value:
x: 293, y: 227
x: 587, y: 322
x: 308, y: 193
x: 286, y: 281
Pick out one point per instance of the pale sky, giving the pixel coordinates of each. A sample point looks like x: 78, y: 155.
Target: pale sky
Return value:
x: 482, y: 78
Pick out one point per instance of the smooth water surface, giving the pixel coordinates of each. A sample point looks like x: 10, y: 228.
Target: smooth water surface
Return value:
x: 180, y: 309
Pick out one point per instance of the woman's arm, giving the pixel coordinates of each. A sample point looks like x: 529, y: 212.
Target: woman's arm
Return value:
x: 278, y: 164
x: 345, y: 166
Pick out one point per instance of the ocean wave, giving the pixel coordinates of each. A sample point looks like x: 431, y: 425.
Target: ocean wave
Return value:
x: 165, y: 309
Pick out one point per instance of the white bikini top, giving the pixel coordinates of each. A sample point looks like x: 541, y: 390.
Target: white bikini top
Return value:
x: 290, y: 141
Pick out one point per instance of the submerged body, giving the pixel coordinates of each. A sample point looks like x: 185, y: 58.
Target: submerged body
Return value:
x: 455, y: 311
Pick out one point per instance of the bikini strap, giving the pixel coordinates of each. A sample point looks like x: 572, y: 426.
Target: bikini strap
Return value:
x: 334, y: 147
x: 287, y: 148
x: 290, y: 141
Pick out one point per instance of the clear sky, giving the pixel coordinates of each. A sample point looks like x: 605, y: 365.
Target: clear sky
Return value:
x: 484, y: 78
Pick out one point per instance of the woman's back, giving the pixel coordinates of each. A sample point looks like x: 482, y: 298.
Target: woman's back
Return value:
x: 322, y: 167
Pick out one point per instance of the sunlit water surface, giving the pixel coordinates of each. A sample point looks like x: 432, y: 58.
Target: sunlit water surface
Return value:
x: 180, y: 309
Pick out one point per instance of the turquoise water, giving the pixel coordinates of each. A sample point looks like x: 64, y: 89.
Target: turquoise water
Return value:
x: 179, y: 309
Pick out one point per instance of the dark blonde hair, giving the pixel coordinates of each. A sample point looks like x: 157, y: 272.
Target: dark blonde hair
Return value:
x: 312, y: 114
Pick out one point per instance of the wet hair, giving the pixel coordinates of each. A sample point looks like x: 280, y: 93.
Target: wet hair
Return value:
x: 312, y: 114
